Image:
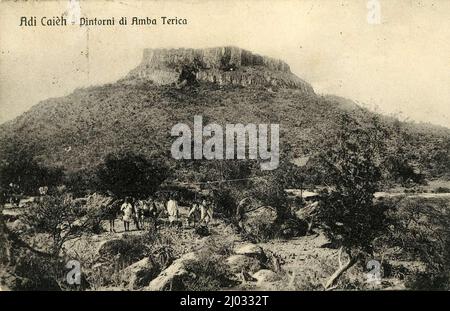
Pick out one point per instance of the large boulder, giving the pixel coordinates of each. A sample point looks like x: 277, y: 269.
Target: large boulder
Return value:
x: 139, y: 274
x: 239, y: 263
x: 266, y: 276
x: 172, y: 274
x: 251, y: 250
x: 131, y: 247
x: 111, y: 248
x: 18, y: 226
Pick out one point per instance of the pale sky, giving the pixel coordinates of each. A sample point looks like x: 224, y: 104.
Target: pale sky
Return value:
x: 399, y: 66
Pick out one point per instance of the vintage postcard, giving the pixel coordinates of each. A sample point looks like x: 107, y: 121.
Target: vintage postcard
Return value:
x: 202, y: 145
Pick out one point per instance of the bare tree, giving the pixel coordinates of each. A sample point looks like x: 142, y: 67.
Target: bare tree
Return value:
x: 60, y: 216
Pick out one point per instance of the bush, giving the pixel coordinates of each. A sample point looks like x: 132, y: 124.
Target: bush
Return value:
x: 428, y: 280
x: 38, y: 273
x: 129, y: 249
x: 420, y: 229
x: 259, y: 225
x: 209, y: 273
x: 99, y: 207
x: 35, y: 271
x: 442, y: 190
x: 21, y: 169
x: 80, y: 182
x: 61, y: 217
x: 131, y: 175
x: 347, y: 214
x: 225, y: 201
x: 116, y: 255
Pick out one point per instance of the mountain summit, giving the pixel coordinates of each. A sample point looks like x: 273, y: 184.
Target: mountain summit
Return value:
x: 230, y: 85
x: 221, y: 65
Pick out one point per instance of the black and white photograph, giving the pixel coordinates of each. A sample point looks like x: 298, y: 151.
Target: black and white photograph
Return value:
x: 225, y: 146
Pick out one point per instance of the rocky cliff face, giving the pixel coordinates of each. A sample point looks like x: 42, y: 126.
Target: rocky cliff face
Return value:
x: 223, y: 65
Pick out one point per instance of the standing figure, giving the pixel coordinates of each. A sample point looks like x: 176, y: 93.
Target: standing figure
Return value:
x: 206, y: 212
x: 172, y: 210
x: 127, y: 210
x: 153, y: 214
x: 111, y: 210
x: 136, y: 213
x: 43, y: 190
x: 240, y: 212
x: 143, y: 212
x: 194, y: 214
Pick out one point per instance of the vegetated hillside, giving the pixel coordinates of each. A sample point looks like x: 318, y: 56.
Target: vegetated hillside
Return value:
x: 77, y: 131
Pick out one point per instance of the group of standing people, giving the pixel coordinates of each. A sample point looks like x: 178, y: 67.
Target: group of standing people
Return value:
x: 142, y: 212
x: 139, y: 212
x: 201, y: 212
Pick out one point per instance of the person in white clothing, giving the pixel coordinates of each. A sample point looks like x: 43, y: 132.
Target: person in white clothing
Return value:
x: 172, y: 210
x: 127, y: 210
x: 206, y: 212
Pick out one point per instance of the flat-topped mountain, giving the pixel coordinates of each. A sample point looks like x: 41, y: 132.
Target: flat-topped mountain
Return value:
x: 221, y: 65
x: 231, y: 85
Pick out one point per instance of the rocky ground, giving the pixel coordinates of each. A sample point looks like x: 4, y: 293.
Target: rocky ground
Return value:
x: 301, y: 263
x: 180, y: 258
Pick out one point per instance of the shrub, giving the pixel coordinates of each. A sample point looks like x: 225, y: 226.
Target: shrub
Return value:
x: 116, y: 255
x: 421, y: 232
x: 428, y: 280
x: 38, y: 273
x: 225, y: 201
x: 131, y: 175
x: 81, y: 181
x: 259, y: 225
x: 99, y: 207
x: 21, y: 169
x: 442, y: 190
x: 129, y: 249
x: 59, y: 216
x: 208, y: 273
x: 347, y: 214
